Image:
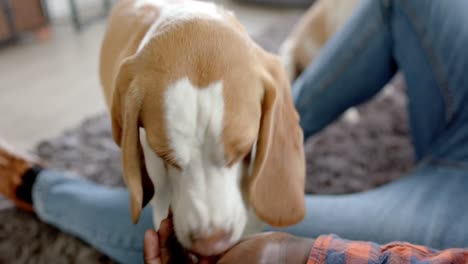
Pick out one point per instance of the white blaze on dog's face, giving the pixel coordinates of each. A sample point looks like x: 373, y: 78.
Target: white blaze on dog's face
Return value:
x: 203, y: 94
x: 206, y: 194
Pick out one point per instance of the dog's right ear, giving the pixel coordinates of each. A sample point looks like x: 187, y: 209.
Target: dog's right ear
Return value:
x: 126, y: 106
x: 278, y: 177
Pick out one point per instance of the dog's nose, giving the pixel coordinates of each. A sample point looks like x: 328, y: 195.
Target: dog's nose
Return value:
x: 211, y: 245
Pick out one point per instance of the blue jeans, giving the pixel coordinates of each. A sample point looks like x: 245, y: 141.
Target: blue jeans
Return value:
x: 427, y: 41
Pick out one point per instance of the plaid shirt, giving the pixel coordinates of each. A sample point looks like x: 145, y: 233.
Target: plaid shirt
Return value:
x: 331, y: 249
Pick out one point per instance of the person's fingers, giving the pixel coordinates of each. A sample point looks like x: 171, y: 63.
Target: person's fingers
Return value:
x: 169, y: 216
x: 165, y: 231
x: 171, y: 251
x: 151, y: 248
x: 208, y: 260
x: 167, y: 247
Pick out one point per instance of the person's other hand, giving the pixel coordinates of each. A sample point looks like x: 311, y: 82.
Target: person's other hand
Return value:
x: 162, y: 247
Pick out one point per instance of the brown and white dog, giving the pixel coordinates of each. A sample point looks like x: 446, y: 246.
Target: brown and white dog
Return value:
x: 323, y: 19
x: 204, y: 119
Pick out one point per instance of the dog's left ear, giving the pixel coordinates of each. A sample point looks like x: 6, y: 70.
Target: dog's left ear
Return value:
x: 277, y: 183
x: 125, y: 115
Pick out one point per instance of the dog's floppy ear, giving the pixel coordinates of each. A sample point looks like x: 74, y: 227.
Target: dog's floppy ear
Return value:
x: 125, y: 112
x: 277, y: 183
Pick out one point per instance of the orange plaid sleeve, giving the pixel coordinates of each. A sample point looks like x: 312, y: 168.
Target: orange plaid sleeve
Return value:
x: 331, y: 249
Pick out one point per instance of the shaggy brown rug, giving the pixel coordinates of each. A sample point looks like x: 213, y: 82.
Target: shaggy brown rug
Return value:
x: 348, y: 156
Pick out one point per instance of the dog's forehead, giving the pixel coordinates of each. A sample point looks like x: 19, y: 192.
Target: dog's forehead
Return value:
x: 190, y: 36
x: 204, y: 50
x: 201, y: 68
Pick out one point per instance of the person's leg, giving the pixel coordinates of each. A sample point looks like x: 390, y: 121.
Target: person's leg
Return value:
x: 426, y: 39
x: 430, y: 46
x: 97, y: 214
x: 430, y: 40
x: 428, y: 208
x: 355, y: 64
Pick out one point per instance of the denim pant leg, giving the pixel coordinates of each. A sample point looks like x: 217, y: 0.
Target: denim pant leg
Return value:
x: 97, y: 214
x: 355, y: 64
x: 428, y: 207
x: 426, y: 40
x: 430, y: 40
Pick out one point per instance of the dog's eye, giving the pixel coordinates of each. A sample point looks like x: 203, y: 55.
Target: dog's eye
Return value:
x: 246, y: 150
x: 231, y: 162
x: 168, y: 159
x: 239, y: 153
x: 173, y: 164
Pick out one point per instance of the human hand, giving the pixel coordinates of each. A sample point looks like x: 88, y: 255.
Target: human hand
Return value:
x: 162, y: 247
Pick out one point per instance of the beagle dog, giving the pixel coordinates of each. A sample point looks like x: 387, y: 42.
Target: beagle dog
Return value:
x: 323, y: 19
x: 205, y: 122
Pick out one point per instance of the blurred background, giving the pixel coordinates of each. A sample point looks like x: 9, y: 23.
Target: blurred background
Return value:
x: 49, y: 60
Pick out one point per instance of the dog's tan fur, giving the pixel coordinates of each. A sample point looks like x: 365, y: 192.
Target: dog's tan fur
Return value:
x: 258, y: 105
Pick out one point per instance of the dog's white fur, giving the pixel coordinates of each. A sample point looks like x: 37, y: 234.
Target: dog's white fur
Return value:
x: 194, y: 119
